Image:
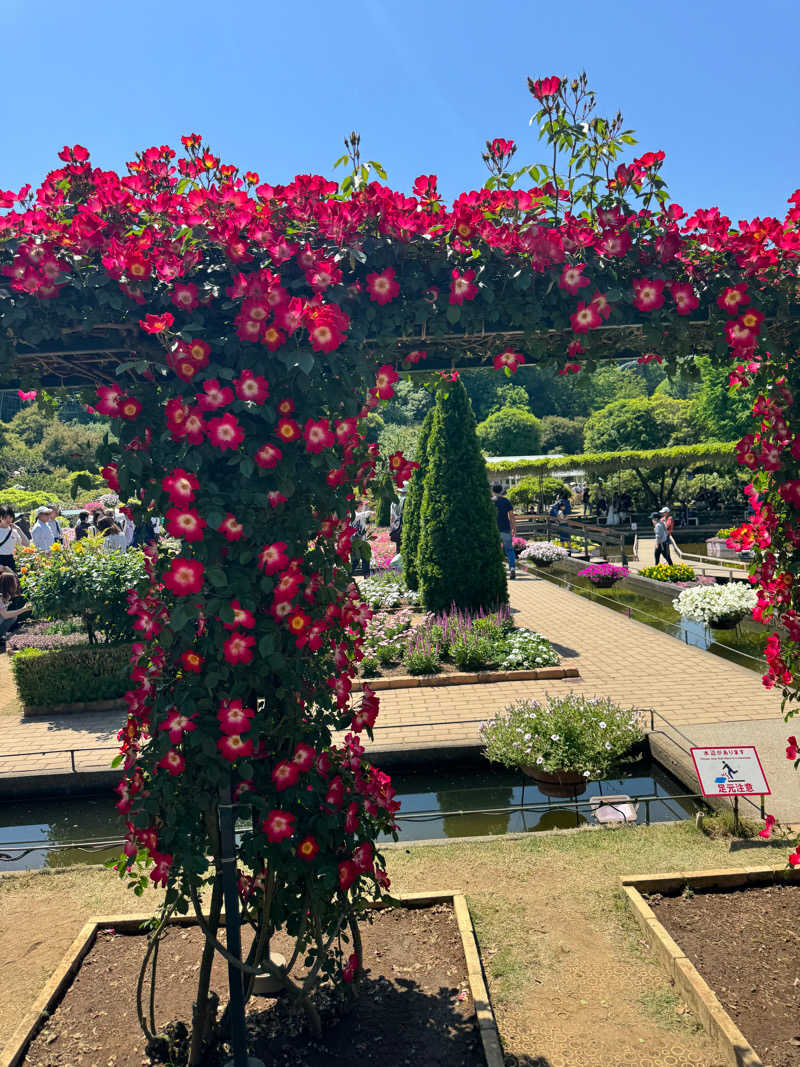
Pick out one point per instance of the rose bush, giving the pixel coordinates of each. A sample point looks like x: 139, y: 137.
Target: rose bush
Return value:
x: 233, y: 329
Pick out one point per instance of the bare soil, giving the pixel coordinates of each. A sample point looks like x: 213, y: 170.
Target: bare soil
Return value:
x: 415, y: 1006
x: 745, y: 944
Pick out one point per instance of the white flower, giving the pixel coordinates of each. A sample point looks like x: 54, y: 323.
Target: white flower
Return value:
x: 539, y: 760
x: 554, y: 737
x: 709, y: 603
x: 585, y: 774
x: 602, y: 725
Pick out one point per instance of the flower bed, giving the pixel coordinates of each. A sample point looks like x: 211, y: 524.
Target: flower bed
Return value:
x: 586, y: 735
x: 668, y: 572
x: 543, y: 553
x: 402, y: 1010
x: 716, y: 605
x: 386, y: 591
x: 455, y: 640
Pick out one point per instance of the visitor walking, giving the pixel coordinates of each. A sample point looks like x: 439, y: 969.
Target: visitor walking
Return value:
x: 396, y: 519
x: 10, y: 537
x: 507, y: 525
x: 586, y: 498
x: 662, y: 539
x: 42, y: 532
x: 82, y: 528
x: 667, y: 519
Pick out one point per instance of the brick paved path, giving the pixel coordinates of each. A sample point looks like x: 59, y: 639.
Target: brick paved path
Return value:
x: 628, y: 661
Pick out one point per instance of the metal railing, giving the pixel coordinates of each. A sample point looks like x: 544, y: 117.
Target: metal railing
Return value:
x: 572, y: 531
x: 71, y: 752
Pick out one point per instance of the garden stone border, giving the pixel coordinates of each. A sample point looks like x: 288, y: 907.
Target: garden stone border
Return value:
x: 63, y: 975
x: 698, y: 994
x: 42, y: 711
x: 415, y: 681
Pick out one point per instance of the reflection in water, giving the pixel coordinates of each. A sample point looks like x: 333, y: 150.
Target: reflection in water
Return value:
x: 473, y: 787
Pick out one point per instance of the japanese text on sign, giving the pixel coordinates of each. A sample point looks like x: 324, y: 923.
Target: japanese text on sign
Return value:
x: 729, y: 771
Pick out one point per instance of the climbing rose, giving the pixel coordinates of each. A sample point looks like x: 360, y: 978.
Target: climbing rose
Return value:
x: 230, y: 529
x: 509, y: 360
x: 177, y: 724
x: 180, y: 485
x: 192, y: 661
x: 384, y: 381
x: 572, y: 278
x: 586, y: 318
x: 157, y: 323
x: 251, y: 387
x: 731, y: 298
x: 382, y: 287
x: 241, y: 617
x: 684, y: 296
x: 272, y: 558
x: 287, y: 430
x: 648, y: 293
x: 185, y: 524
x: 184, y: 296
x: 769, y: 824
x: 130, y: 408
x: 348, y: 872
x: 233, y: 718
x: 185, y: 576
x: 792, y: 748
x: 235, y: 747
x: 462, y: 287
x: 268, y: 456
x: 350, y: 969
x: 285, y: 774
x: 239, y: 648
x: 278, y: 825
x: 225, y: 432
x: 162, y: 863
x: 318, y: 436
x: 173, y: 763
x: 214, y: 395
x: 109, y: 400
x: 545, y: 87
x: 308, y: 848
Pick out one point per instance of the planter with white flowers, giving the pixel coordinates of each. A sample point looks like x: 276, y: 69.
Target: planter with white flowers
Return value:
x: 720, y: 607
x: 563, y: 742
x: 543, y: 553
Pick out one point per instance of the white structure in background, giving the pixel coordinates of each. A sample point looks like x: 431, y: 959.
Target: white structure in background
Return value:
x: 574, y: 475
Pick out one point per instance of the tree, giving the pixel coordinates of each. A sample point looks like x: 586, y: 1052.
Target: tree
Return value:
x: 510, y: 432
x: 409, y: 405
x: 562, y: 435
x: 639, y: 423
x: 459, y: 558
x: 528, y: 492
x: 413, y: 507
x: 723, y: 413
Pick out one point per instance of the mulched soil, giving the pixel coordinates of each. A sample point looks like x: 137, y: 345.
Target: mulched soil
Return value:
x: 415, y: 1007
x: 746, y: 945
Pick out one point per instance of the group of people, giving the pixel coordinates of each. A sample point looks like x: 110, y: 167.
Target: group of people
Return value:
x: 119, y: 530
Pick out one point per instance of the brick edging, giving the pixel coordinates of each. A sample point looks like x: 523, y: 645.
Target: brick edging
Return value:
x: 421, y: 681
x: 14, y: 1052
x: 734, y: 1046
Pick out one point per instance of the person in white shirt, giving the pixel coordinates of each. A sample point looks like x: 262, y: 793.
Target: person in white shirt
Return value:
x: 42, y: 533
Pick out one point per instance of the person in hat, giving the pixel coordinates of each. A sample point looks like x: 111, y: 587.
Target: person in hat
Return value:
x: 667, y: 519
x: 662, y: 538
x: 42, y: 533
x: 54, y: 524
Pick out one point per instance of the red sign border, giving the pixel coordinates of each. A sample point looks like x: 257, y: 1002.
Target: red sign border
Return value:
x: 703, y: 748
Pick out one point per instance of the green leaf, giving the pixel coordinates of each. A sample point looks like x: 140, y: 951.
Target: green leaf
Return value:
x: 217, y: 576
x: 453, y: 313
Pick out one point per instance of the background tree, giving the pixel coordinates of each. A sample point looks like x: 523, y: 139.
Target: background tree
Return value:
x: 409, y: 405
x: 413, y: 507
x: 510, y: 432
x: 724, y: 414
x: 526, y: 493
x: 459, y: 558
x: 562, y: 435
x: 640, y: 423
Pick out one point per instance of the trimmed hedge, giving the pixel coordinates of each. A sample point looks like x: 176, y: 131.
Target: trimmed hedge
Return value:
x: 69, y: 675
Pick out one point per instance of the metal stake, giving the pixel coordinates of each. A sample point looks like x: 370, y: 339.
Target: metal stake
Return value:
x: 233, y: 933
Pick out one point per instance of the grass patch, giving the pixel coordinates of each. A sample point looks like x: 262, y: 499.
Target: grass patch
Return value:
x: 721, y: 825
x: 666, y: 1008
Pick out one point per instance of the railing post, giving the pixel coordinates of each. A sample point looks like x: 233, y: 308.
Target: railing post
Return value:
x: 72, y: 760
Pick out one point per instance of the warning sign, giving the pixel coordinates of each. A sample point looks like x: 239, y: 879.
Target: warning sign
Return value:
x: 729, y: 772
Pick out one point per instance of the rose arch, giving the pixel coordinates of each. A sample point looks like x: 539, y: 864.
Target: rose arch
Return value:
x: 238, y: 333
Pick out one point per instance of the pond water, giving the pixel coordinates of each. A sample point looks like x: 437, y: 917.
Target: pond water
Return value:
x: 744, y: 645
x: 458, y: 800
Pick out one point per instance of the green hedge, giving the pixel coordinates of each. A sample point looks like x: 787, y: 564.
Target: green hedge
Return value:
x: 70, y: 675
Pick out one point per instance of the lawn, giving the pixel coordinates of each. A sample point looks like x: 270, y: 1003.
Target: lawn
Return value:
x: 570, y: 980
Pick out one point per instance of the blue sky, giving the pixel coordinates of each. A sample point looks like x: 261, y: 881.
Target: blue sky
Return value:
x: 276, y: 86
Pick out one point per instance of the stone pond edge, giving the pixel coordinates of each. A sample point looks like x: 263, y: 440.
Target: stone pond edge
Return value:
x: 58, y: 983
x: 422, y: 681
x: 730, y: 1041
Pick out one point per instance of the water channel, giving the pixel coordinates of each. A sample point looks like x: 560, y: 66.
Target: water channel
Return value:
x: 454, y: 800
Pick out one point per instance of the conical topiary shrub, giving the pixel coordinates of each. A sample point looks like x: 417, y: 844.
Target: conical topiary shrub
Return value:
x: 459, y: 556
x: 413, y: 506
